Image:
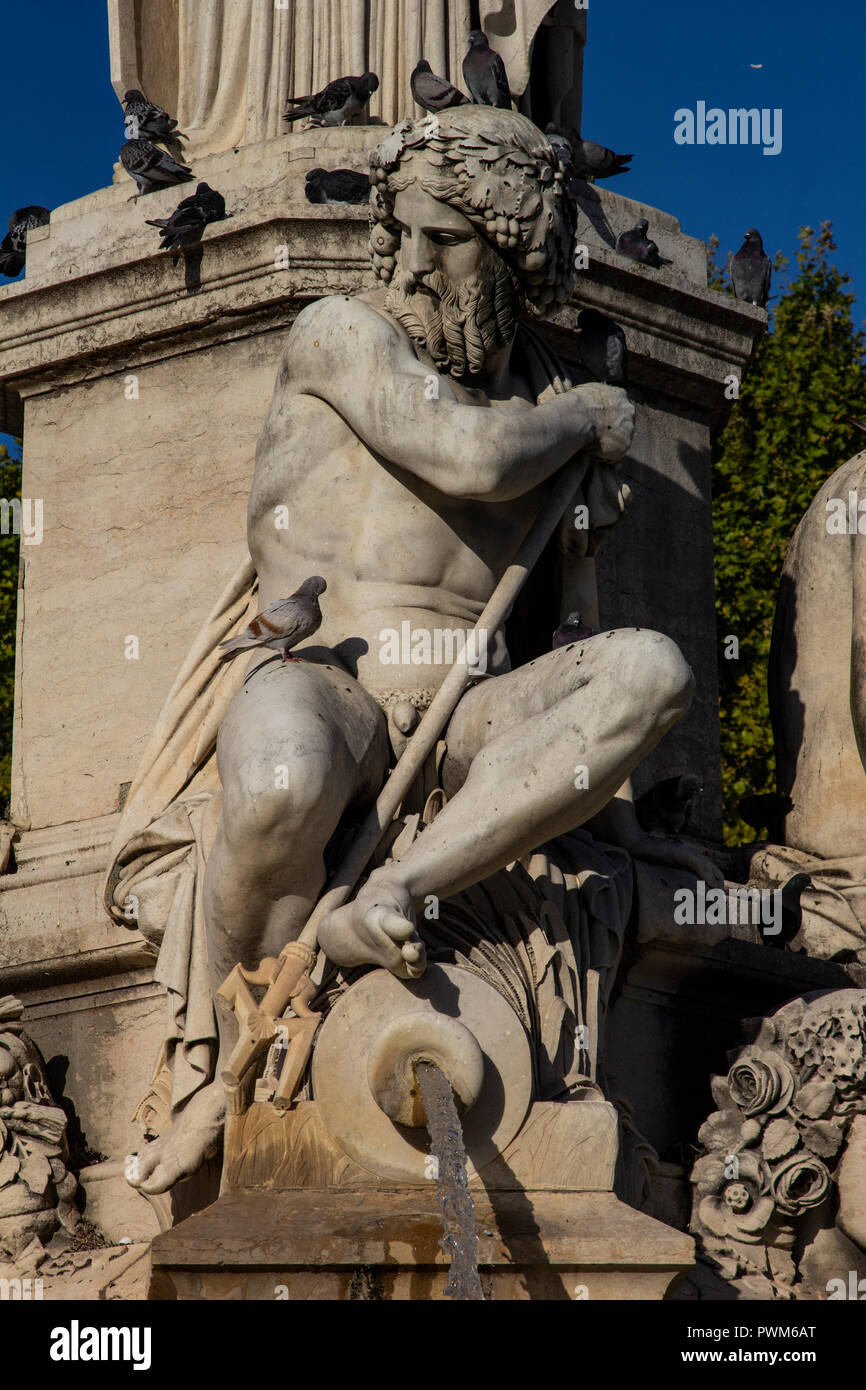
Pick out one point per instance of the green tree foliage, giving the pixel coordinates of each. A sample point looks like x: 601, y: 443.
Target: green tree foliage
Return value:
x: 790, y: 429
x: 10, y: 487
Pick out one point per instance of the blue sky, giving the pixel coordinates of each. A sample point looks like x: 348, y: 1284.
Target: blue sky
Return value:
x: 62, y: 126
x: 642, y: 63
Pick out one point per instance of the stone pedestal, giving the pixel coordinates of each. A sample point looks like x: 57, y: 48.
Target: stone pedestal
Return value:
x: 298, y: 1219
x: 327, y: 1245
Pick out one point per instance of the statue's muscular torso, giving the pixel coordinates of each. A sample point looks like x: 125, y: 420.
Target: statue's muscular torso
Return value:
x: 392, y: 547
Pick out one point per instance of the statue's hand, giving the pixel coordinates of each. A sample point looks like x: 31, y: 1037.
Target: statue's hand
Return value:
x: 378, y: 928
x: 672, y: 853
x: 612, y: 414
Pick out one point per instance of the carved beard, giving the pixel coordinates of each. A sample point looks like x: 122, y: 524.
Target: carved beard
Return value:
x: 460, y: 326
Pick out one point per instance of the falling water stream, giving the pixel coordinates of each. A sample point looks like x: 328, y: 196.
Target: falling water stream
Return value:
x: 460, y: 1238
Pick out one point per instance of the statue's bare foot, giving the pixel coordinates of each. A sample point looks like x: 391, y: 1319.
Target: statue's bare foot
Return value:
x: 378, y: 928
x: 194, y: 1136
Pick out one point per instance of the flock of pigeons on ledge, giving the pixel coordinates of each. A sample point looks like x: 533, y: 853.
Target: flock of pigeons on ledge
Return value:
x: 153, y: 157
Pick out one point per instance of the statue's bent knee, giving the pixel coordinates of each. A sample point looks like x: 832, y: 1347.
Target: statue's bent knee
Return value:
x: 274, y: 798
x: 666, y: 684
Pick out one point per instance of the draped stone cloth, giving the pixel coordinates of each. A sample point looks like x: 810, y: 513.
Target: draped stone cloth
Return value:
x: 229, y: 68
x: 834, y: 907
x: 558, y: 914
x: 159, y: 851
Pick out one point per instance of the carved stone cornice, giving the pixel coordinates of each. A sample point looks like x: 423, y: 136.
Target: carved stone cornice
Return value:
x: 99, y: 298
x: 53, y: 928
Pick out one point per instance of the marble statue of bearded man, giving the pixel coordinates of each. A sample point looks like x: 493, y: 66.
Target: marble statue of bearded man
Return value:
x: 415, y: 433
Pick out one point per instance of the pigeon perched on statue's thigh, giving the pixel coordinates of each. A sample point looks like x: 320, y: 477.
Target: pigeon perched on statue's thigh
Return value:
x: 283, y: 625
x: 574, y: 629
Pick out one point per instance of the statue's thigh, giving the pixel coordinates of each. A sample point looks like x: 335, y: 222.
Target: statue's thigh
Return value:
x: 307, y: 729
x: 600, y: 684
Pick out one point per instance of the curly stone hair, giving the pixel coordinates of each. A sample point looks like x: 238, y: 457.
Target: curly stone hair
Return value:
x: 503, y: 174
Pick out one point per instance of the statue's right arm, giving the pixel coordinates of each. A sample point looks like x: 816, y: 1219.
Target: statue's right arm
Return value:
x: 343, y: 352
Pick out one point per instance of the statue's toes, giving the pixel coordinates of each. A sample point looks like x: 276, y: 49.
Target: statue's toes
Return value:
x: 414, y: 960
x: 140, y: 1169
x: 390, y: 923
x: 165, y: 1175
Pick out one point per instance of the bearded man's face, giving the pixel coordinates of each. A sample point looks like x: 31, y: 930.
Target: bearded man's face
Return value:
x: 451, y: 291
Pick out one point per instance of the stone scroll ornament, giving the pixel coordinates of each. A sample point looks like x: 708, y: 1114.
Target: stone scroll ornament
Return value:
x: 779, y: 1192
x: 36, y: 1189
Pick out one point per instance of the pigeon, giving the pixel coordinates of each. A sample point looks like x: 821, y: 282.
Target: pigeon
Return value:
x: 283, y: 625
x: 336, y: 102
x: 574, y: 629
x: 337, y: 186
x: 561, y: 144
x: 434, y: 93
x: 792, y: 912
x: 186, y: 225
x: 565, y: 153
x: 13, y: 248
x: 767, y: 811
x: 637, y: 246
x: 151, y: 167
x: 484, y: 73
x: 602, y: 348
x: 667, y: 806
x: 587, y: 159
x: 592, y: 161
x: 752, y: 271
x: 145, y: 118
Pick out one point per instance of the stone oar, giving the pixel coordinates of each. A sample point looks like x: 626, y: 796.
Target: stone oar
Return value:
x: 286, y: 978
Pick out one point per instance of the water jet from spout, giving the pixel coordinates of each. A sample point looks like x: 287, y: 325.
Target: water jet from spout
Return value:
x: 460, y: 1238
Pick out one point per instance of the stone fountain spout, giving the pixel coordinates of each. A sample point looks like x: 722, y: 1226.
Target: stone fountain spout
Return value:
x: 415, y: 1038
